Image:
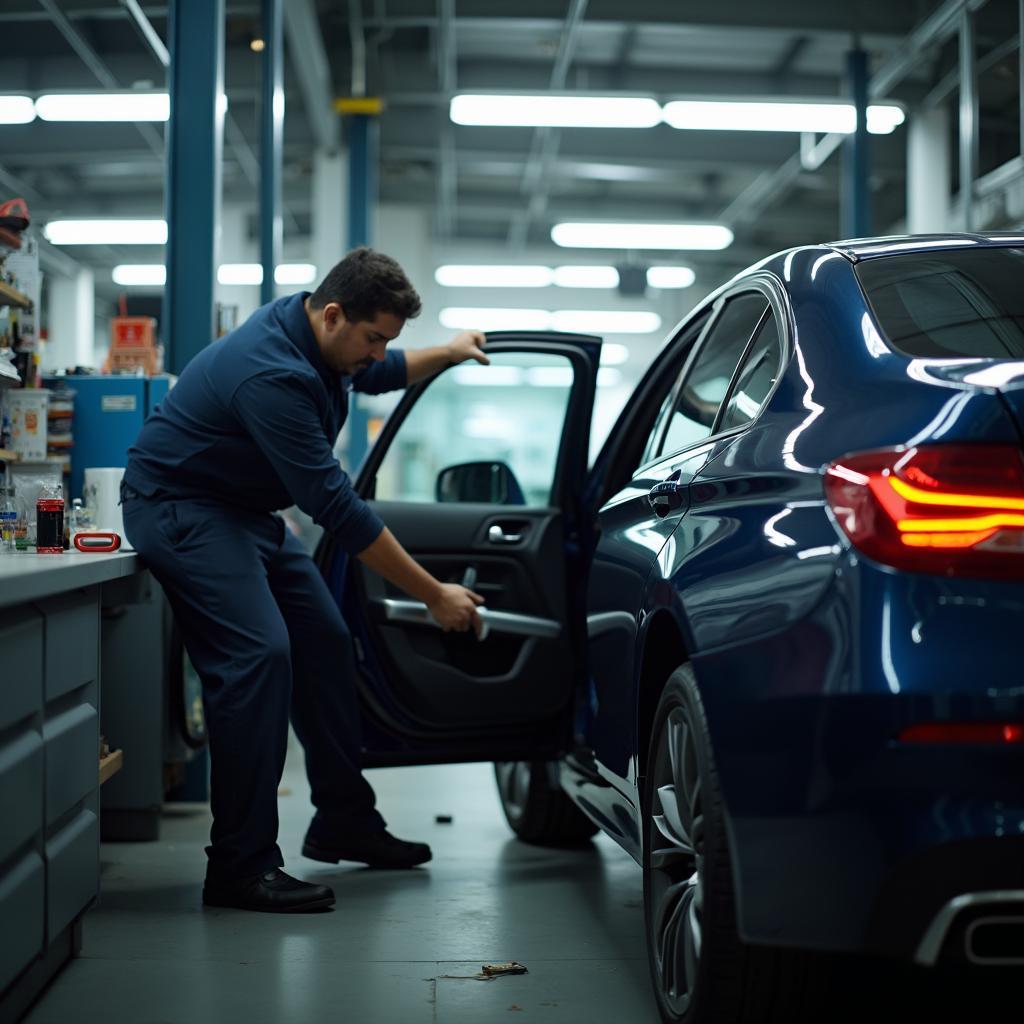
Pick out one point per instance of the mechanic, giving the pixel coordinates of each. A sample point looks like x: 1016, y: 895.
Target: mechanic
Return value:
x: 247, y: 430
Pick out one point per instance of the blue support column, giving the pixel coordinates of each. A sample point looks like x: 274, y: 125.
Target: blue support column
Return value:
x: 271, y: 136
x: 362, y: 203
x: 856, y: 191
x: 194, y: 147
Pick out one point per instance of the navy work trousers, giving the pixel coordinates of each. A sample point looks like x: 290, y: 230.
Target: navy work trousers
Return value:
x: 267, y: 639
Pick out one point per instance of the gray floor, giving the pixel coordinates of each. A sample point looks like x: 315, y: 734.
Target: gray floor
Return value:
x: 394, y: 948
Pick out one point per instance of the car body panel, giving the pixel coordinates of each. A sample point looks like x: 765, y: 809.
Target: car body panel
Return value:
x: 810, y: 658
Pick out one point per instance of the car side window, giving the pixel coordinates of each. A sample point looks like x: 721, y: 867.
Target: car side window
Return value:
x: 707, y: 382
x: 756, y: 376
x: 482, y: 433
x: 682, y: 345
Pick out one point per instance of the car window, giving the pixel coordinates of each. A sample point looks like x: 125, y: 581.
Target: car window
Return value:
x: 756, y: 376
x: 707, y: 382
x: 964, y: 302
x: 670, y: 373
x: 482, y: 433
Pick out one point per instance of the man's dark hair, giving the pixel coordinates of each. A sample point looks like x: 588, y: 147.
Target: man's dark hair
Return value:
x: 366, y: 283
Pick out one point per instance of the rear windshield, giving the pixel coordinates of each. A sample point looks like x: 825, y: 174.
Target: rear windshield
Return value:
x: 964, y: 302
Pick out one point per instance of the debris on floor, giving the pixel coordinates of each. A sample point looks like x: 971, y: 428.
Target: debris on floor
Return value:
x: 489, y: 972
x: 512, y: 967
x: 443, y: 819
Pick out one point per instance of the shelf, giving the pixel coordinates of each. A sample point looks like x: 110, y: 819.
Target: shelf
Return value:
x: 8, y: 456
x: 11, y: 297
x: 111, y: 764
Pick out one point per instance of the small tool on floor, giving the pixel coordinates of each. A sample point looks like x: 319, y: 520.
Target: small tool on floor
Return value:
x: 512, y: 967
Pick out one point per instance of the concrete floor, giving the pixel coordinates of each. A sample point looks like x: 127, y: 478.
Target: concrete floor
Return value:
x: 393, y: 948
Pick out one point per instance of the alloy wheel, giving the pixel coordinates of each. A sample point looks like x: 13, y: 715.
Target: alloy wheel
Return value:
x: 675, y: 836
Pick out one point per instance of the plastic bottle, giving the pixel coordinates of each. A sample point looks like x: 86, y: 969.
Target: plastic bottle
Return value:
x: 8, y: 518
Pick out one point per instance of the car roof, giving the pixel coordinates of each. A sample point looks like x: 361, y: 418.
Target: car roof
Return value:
x: 857, y: 249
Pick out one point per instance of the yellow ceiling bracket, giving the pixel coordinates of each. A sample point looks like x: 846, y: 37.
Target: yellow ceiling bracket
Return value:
x: 371, y: 106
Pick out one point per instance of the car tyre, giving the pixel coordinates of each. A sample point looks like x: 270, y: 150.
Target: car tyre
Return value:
x: 701, y: 970
x: 536, y: 808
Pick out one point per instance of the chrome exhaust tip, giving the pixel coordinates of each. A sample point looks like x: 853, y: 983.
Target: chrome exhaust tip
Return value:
x: 995, y: 941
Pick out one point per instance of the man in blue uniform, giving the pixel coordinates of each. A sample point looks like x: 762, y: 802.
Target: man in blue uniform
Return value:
x: 248, y: 430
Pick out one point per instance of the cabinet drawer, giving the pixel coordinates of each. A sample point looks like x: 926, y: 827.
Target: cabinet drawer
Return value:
x: 22, y: 910
x: 72, y: 746
x: 21, y: 791
x: 72, y: 642
x: 72, y: 871
x: 21, y: 665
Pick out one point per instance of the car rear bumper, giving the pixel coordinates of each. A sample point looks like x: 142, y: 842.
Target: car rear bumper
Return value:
x: 843, y: 837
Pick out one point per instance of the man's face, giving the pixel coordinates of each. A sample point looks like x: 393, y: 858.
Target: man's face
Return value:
x: 350, y: 347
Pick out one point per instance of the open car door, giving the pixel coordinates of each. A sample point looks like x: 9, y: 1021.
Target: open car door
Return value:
x: 479, y: 472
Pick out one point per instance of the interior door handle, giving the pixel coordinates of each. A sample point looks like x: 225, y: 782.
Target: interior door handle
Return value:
x: 498, y: 622
x: 668, y: 496
x: 497, y: 535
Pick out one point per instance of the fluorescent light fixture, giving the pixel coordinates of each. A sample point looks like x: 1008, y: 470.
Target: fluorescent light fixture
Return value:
x: 240, y: 273
x: 670, y: 277
x: 465, y: 318
x: 492, y: 276
x: 614, y: 321
x: 608, y: 377
x: 129, y: 274
x: 294, y: 273
x: 150, y: 274
x: 549, y: 376
x: 106, y: 232
x: 623, y: 235
x: 546, y: 111
x: 613, y: 354
x: 104, y: 106
x: 586, y: 277
x: 883, y: 119
x: 17, y: 110
x: 488, y: 376
x: 769, y: 116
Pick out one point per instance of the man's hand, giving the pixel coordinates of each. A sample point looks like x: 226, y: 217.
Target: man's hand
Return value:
x: 455, y: 608
x: 468, y: 345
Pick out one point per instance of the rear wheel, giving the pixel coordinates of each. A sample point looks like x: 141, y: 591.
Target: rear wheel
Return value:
x: 536, y: 808
x: 702, y: 972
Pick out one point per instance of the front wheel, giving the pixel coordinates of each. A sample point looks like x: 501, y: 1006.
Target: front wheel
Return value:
x: 536, y: 808
x: 701, y: 971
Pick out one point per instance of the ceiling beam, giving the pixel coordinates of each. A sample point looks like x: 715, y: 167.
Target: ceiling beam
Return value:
x: 544, y: 146
x: 313, y: 70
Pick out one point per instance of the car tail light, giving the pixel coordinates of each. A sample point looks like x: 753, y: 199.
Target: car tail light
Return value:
x: 951, y: 509
x: 964, y: 732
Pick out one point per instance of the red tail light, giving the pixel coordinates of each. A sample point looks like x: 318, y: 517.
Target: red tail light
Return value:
x: 963, y: 732
x: 957, y: 510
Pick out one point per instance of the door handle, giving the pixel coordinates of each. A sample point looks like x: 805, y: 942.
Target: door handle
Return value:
x: 497, y: 535
x: 513, y: 623
x: 668, y: 496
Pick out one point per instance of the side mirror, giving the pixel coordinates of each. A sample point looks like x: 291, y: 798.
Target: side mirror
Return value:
x: 490, y: 483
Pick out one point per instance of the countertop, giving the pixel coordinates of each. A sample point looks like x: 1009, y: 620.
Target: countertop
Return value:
x: 29, y: 577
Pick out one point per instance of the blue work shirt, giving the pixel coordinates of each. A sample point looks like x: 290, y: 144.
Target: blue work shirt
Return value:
x: 252, y: 422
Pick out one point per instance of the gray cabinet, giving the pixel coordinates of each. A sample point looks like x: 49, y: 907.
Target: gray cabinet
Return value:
x: 49, y: 786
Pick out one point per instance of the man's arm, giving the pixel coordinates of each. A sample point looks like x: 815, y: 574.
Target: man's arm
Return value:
x: 453, y: 606
x: 424, y: 362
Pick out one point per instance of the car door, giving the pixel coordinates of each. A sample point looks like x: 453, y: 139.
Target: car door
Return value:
x: 636, y: 520
x: 479, y: 473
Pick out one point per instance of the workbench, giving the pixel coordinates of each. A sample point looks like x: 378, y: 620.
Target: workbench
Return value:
x: 51, y: 634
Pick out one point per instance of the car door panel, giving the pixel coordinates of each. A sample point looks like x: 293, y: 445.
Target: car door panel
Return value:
x: 631, y: 538
x: 453, y: 680
x: 430, y: 696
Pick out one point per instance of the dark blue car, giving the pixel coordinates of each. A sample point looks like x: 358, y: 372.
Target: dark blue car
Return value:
x: 767, y: 638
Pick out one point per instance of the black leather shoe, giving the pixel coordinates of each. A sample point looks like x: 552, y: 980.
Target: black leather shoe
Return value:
x: 273, y: 892
x: 377, y: 849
